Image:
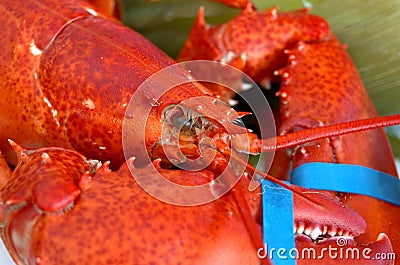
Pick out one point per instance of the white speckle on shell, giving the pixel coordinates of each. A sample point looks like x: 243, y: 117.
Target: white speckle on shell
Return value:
x: 34, y: 49
x: 92, y: 12
x: 88, y: 103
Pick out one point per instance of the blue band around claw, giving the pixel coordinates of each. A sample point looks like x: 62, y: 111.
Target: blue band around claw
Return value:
x: 278, y: 216
x: 348, y: 178
x: 277, y: 224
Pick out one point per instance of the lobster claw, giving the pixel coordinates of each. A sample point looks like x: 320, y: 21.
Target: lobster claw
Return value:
x: 200, y: 35
x: 48, y: 185
x: 46, y: 181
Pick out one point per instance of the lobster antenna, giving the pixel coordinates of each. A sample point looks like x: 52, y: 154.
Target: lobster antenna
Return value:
x: 312, y: 134
x: 275, y: 180
x: 245, y: 212
x: 317, y: 133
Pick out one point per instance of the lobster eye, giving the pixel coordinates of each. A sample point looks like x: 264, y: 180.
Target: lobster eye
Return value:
x: 183, y: 121
x: 174, y: 116
x: 180, y: 121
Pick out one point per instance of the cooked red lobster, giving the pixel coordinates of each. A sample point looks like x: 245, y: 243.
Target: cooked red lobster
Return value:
x: 69, y: 72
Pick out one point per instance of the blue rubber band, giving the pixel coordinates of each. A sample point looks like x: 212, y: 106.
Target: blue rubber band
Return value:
x: 278, y: 222
x: 348, y: 178
x: 278, y: 215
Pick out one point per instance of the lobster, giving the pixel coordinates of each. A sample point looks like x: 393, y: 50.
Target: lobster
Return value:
x: 53, y: 190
